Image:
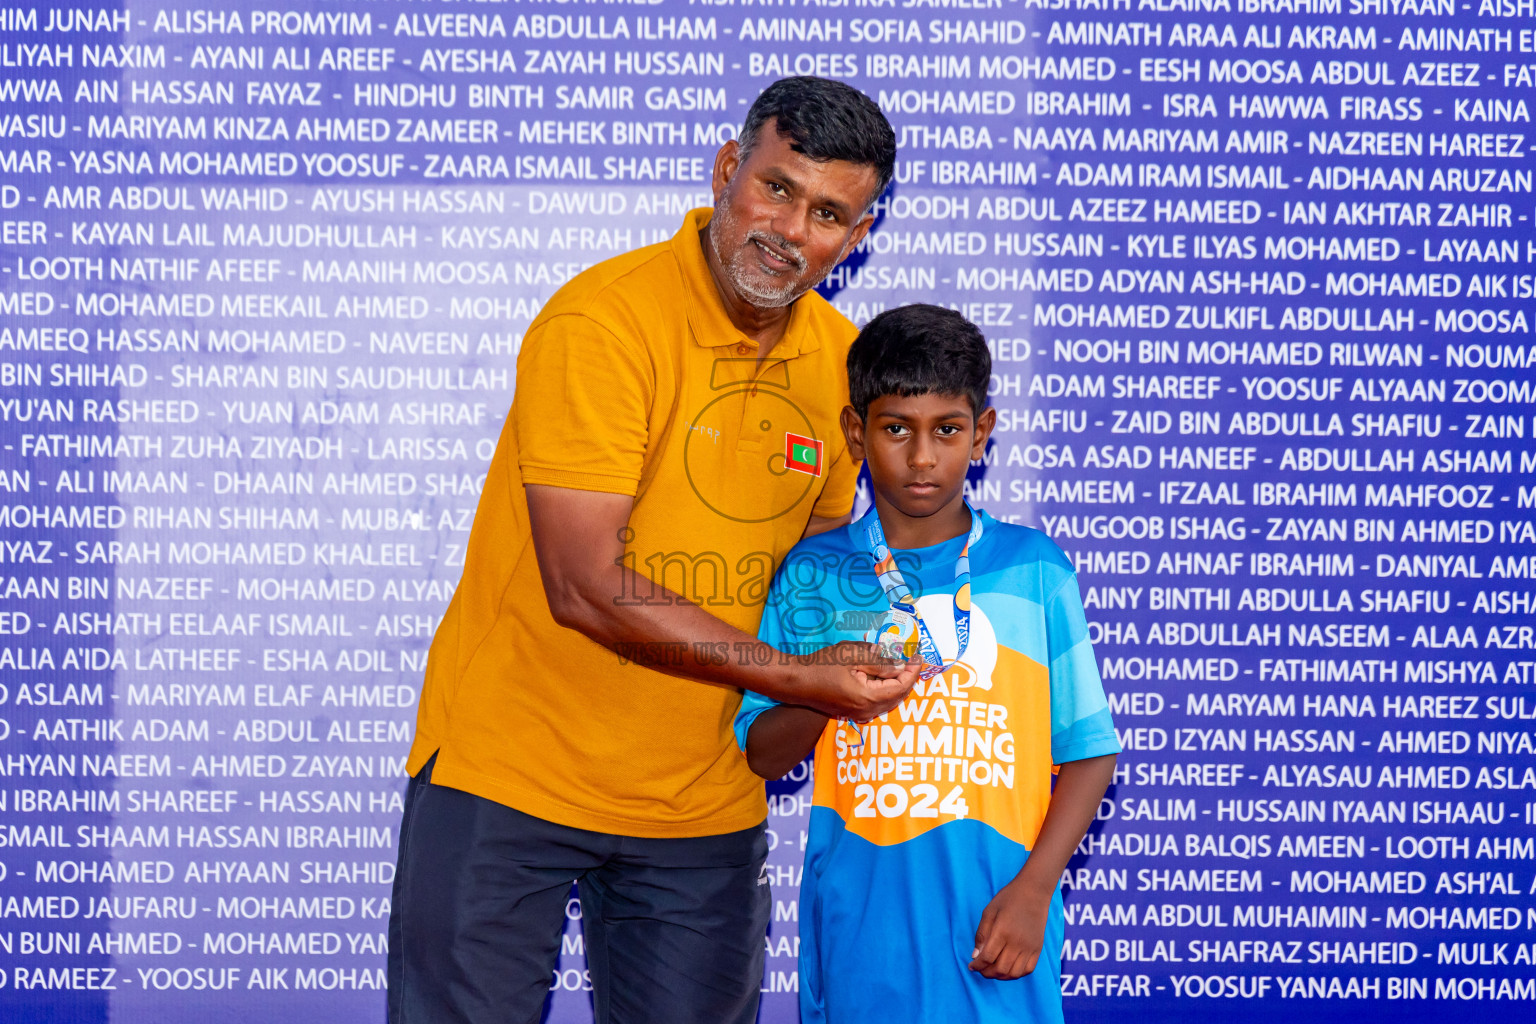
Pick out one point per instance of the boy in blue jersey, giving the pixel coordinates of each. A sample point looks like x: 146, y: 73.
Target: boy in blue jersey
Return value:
x: 936, y: 843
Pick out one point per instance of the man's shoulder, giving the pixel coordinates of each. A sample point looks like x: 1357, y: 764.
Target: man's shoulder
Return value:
x: 618, y: 287
x: 827, y: 320
x: 826, y: 313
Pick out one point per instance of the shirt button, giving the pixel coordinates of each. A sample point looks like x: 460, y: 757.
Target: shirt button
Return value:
x: 741, y: 350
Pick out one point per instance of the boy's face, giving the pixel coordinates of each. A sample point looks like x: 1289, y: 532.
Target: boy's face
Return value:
x: 918, y: 449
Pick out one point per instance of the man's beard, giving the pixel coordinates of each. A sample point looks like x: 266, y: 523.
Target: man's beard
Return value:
x: 747, y: 278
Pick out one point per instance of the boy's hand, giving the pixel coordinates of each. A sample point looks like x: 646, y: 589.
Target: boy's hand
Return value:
x: 1012, y: 933
x: 851, y: 680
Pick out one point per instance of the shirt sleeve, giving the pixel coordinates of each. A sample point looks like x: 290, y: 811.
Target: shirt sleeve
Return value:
x: 798, y: 618
x: 582, y: 407
x: 836, y: 498
x: 770, y: 631
x: 1080, y: 722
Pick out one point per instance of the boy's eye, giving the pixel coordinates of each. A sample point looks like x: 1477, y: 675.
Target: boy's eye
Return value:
x: 948, y: 430
x: 896, y: 429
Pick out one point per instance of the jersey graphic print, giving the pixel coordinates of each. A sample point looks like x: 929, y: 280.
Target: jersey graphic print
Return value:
x: 951, y: 750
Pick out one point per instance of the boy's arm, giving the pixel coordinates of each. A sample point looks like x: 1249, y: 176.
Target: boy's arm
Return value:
x: 775, y: 734
x: 781, y: 737
x: 1012, y: 930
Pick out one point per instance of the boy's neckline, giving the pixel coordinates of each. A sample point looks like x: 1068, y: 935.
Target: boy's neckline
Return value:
x: 857, y: 527
x: 956, y: 542
x: 899, y: 524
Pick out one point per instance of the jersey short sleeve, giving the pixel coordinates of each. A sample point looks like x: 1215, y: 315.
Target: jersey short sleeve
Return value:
x: 771, y: 632
x: 1080, y: 723
x: 799, y: 617
x: 581, y: 407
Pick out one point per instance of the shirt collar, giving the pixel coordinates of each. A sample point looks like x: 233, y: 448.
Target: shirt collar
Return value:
x: 707, y: 318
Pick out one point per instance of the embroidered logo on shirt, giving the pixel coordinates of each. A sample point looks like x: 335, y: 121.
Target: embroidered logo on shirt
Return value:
x: 729, y: 456
x: 802, y: 454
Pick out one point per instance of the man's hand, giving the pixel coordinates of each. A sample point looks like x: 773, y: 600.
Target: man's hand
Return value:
x: 1012, y: 932
x: 850, y: 680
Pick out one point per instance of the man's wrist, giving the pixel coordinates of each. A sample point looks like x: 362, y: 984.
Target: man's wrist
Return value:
x: 781, y: 677
x: 801, y: 681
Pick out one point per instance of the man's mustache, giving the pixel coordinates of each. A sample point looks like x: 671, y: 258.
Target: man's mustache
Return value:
x: 784, y: 245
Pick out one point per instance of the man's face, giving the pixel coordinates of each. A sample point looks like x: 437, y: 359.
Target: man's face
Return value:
x: 782, y: 220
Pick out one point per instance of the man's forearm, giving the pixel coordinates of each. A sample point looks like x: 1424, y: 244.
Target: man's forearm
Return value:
x: 592, y: 587
x: 645, y: 622
x: 1080, y: 785
x: 781, y: 737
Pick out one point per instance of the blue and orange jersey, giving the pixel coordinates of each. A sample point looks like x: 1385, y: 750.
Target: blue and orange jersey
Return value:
x: 921, y: 816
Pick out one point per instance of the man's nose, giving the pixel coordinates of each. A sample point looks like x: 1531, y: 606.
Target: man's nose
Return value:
x: 793, y: 223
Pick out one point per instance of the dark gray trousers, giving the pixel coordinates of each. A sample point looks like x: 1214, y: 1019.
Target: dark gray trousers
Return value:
x: 674, y: 928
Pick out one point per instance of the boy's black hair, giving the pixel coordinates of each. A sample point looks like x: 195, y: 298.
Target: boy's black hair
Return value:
x: 919, y: 350
x: 825, y: 120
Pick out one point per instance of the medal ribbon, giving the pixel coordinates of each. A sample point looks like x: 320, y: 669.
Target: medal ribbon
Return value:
x: 903, y: 628
x: 903, y: 624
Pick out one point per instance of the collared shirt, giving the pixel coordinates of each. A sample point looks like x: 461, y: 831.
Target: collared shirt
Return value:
x: 633, y: 380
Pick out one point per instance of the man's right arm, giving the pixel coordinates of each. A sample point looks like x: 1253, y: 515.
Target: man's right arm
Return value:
x: 576, y: 537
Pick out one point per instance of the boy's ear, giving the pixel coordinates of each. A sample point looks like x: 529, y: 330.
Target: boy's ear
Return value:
x: 853, y: 430
x: 984, y: 424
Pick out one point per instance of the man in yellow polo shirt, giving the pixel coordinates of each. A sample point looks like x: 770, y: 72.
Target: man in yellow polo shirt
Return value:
x: 674, y: 432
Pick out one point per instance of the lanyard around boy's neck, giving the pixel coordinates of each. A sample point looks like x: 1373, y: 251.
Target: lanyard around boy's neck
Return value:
x: 903, y: 626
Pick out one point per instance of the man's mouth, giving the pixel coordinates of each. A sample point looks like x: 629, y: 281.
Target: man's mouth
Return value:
x: 775, y: 257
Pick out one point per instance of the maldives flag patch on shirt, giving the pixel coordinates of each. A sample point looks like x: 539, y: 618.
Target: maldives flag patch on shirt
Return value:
x: 802, y: 454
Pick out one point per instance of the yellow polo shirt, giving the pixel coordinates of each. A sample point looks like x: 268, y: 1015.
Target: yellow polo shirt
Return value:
x: 633, y: 380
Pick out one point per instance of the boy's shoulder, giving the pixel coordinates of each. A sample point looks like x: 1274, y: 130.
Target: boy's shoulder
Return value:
x: 1020, y: 545
x: 831, y: 552
x: 1004, y: 546
x: 838, y: 540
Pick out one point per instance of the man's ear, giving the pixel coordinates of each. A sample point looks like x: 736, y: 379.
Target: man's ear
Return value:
x: 984, y: 424
x: 860, y: 229
x: 727, y: 160
x: 853, y: 431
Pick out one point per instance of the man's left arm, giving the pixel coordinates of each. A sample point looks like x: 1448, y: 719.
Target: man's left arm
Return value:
x: 821, y: 524
x: 834, y: 505
x: 1012, y: 930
